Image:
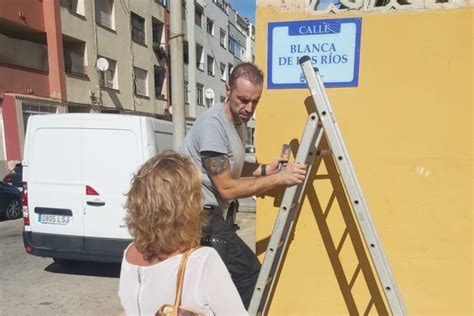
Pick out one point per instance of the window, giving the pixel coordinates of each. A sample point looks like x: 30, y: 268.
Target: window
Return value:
x: 157, y: 34
x: 186, y: 52
x: 11, y: 44
x: 223, y: 99
x: 108, y: 79
x: 74, y: 6
x: 186, y: 92
x: 210, y: 26
x: 30, y: 109
x: 200, y: 94
x: 223, y: 39
x: 199, y: 57
x: 235, y: 48
x: 160, y: 76
x: 78, y: 108
x: 138, y: 29
x: 229, y: 69
x: 157, y: 31
x: 74, y: 51
x: 69, y: 4
x: 141, y: 86
x: 198, y: 13
x: 104, y: 13
x: 223, y: 70
x: 163, y: 3
x: 210, y: 65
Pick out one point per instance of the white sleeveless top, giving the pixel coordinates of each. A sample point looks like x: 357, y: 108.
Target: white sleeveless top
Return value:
x: 207, y: 288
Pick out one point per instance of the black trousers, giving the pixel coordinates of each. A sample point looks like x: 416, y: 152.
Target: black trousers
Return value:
x: 241, y: 262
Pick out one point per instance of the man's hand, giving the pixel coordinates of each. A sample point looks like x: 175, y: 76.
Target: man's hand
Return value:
x: 275, y: 166
x: 293, y: 173
x: 218, y: 170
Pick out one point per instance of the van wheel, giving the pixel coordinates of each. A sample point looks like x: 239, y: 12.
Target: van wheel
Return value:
x: 13, y: 210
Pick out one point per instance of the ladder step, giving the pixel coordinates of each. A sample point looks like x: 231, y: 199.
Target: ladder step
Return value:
x: 269, y: 280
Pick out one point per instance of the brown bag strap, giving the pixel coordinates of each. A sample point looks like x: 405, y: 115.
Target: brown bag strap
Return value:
x: 180, y: 277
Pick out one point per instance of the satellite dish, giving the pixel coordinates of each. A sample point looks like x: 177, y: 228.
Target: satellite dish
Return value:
x: 102, y: 64
x: 209, y: 93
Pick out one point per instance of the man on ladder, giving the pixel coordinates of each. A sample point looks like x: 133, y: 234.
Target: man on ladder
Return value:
x: 216, y: 143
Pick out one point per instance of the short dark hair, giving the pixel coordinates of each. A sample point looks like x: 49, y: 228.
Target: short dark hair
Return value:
x: 248, y: 71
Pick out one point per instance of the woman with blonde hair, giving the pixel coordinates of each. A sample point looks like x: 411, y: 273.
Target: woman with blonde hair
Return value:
x: 165, y: 219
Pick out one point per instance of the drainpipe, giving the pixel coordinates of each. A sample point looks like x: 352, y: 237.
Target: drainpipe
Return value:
x: 177, y: 73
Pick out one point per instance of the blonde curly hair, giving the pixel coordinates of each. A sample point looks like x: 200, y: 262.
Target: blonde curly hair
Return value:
x: 164, y: 206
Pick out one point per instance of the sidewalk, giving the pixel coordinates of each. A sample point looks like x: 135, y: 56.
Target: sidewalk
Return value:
x: 246, y: 220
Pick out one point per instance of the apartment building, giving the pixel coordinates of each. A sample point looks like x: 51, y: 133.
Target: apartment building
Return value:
x: 79, y: 56
x: 31, y: 70
x: 216, y: 38
x: 111, y: 56
x: 115, y: 56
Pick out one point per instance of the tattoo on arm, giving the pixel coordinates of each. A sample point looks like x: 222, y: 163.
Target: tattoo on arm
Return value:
x: 217, y: 164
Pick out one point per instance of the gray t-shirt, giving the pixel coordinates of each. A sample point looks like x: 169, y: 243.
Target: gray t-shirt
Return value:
x: 214, y: 131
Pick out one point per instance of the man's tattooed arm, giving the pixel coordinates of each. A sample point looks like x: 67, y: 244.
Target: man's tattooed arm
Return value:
x: 215, y: 163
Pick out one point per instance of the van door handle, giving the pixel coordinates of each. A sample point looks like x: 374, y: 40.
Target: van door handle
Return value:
x: 92, y: 203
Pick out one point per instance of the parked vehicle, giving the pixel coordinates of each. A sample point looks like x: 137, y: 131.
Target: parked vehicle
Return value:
x: 76, y: 170
x: 15, y: 176
x: 10, y: 205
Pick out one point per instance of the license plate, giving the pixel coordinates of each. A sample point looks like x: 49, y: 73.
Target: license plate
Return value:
x: 54, y: 219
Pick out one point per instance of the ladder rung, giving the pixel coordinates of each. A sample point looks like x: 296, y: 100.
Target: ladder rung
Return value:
x: 269, y: 280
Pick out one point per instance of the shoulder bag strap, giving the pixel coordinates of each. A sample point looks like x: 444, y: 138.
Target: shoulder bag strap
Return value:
x: 180, y: 277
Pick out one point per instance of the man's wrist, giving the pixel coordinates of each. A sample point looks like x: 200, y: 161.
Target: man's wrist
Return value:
x: 263, y: 170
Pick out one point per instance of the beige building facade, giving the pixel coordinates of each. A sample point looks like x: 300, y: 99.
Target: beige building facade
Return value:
x: 131, y: 37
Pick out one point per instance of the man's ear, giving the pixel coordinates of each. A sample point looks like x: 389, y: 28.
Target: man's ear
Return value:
x: 227, y: 90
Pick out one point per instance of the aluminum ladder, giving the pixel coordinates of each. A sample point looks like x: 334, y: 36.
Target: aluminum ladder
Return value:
x: 318, y: 124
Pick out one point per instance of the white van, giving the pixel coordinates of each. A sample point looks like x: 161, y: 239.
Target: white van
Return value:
x: 76, y: 169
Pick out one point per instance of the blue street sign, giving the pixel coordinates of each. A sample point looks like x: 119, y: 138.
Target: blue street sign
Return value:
x: 333, y: 46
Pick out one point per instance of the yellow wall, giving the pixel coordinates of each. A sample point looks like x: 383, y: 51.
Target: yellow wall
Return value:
x: 408, y: 129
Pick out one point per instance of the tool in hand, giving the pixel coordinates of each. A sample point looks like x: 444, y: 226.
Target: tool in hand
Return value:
x: 285, y: 153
